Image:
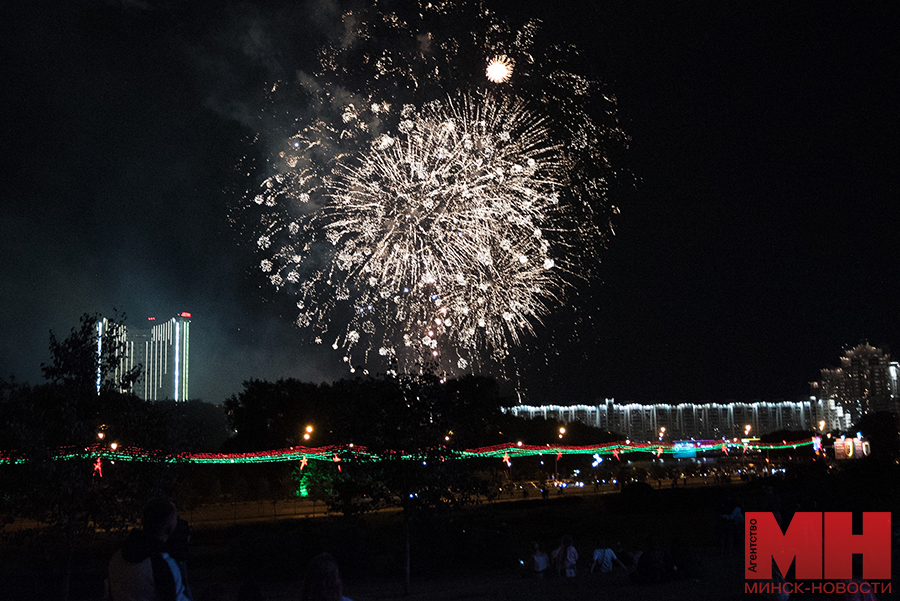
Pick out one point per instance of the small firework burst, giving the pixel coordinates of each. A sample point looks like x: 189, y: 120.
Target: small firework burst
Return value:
x: 499, y: 69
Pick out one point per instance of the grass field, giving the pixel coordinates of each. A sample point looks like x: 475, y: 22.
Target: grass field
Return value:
x: 470, y: 553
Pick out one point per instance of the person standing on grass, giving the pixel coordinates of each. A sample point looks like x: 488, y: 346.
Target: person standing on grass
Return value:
x: 565, y: 557
x: 536, y: 563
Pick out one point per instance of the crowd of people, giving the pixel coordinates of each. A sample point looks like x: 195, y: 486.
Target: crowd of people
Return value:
x: 653, y: 563
x: 152, y: 565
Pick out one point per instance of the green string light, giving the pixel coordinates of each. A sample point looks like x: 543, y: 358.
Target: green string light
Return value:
x: 357, y: 453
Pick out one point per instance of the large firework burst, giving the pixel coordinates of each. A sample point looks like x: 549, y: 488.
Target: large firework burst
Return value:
x: 426, y: 208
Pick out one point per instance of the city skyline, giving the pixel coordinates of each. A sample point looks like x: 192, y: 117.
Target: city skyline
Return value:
x: 755, y: 247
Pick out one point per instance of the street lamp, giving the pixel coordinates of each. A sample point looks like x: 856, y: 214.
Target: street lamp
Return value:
x: 309, y: 430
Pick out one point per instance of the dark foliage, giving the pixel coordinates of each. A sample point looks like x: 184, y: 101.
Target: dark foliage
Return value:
x: 880, y: 429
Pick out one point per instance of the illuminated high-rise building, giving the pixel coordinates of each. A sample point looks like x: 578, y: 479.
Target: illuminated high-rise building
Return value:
x: 163, y: 349
x: 118, y: 358
x: 894, y: 381
x: 864, y: 382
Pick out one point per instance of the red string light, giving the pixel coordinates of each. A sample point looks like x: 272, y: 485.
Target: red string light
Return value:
x: 336, y: 453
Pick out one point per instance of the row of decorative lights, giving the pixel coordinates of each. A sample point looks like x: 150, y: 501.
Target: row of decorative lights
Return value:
x: 335, y: 453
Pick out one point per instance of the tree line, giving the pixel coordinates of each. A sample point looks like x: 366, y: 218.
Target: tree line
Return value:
x: 416, y: 424
x: 85, y: 401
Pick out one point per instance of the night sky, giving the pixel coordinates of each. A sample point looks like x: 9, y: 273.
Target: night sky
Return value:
x: 759, y: 240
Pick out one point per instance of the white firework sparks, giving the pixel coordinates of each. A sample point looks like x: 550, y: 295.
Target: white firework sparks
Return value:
x: 417, y: 221
x: 453, y: 210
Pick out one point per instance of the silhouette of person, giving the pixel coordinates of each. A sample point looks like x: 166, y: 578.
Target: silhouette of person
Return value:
x: 143, y: 570
x: 565, y: 557
x: 323, y: 581
x: 536, y: 563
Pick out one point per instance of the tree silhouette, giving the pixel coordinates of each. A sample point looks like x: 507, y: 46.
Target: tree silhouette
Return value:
x: 880, y: 428
x: 86, y: 401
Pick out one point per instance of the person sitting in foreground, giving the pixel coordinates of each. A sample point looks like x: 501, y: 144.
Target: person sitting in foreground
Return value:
x: 142, y: 570
x: 605, y: 558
